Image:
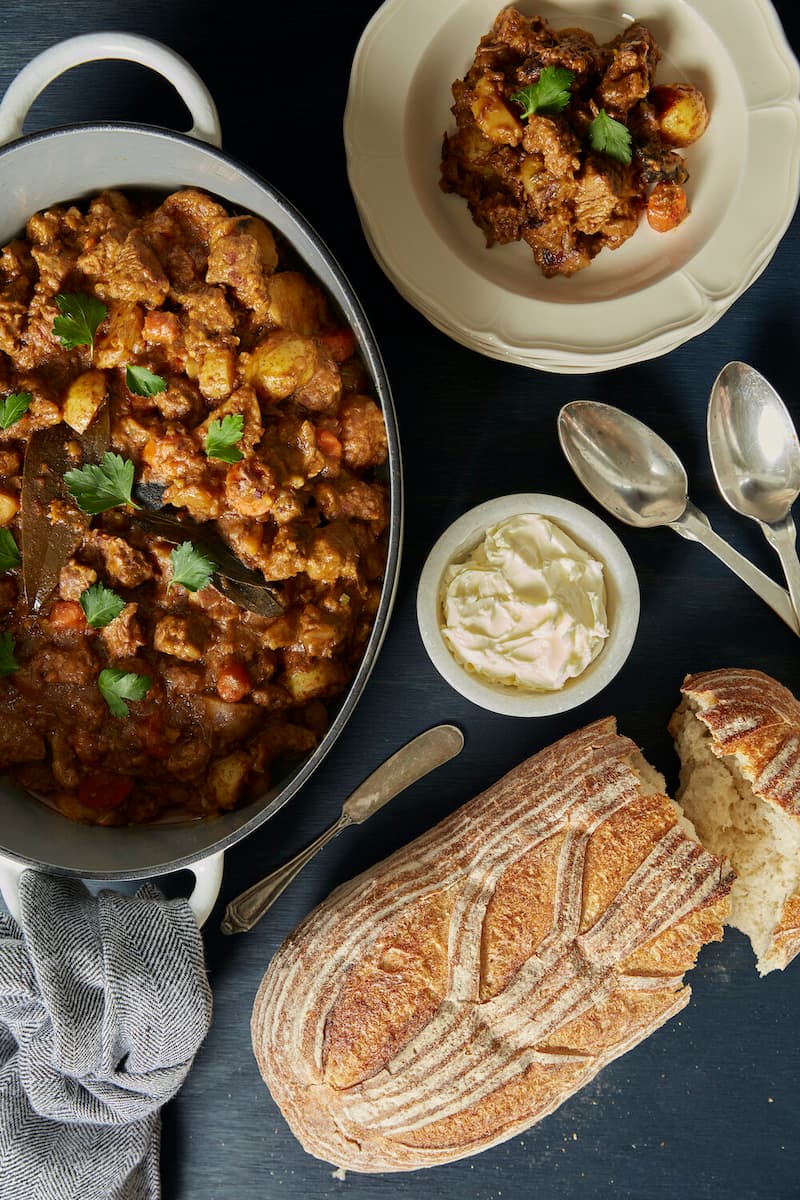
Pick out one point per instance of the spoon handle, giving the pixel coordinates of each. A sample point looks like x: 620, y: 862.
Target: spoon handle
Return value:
x: 694, y: 525
x: 782, y: 536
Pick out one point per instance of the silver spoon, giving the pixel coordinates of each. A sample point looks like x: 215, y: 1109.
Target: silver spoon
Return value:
x: 419, y: 756
x: 755, y: 454
x: 633, y: 473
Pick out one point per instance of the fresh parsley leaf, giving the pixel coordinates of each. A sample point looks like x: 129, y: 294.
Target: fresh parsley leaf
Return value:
x: 142, y: 382
x: 8, y: 663
x: 13, y: 407
x: 118, y: 686
x: 101, y: 605
x: 97, y: 487
x: 9, y: 551
x: 550, y: 94
x: 610, y: 137
x: 80, y: 317
x: 191, y: 567
x: 223, y: 436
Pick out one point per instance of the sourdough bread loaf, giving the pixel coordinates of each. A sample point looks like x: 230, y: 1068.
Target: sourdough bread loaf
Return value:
x: 738, y: 736
x: 459, y: 991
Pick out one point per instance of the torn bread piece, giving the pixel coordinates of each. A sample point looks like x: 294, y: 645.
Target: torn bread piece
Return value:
x: 737, y: 733
x: 456, y: 993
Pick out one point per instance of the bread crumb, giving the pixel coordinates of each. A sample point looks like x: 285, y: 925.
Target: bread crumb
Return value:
x: 339, y: 1174
x: 761, y: 841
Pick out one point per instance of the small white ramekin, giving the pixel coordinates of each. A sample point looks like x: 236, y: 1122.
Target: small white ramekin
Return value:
x: 622, y: 603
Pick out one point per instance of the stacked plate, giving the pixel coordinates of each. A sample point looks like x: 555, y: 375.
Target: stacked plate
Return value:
x: 643, y: 300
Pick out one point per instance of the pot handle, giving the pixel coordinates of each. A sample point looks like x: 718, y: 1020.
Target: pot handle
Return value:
x: 89, y: 47
x: 207, y: 883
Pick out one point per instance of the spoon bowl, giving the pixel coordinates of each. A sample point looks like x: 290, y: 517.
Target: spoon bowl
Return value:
x: 625, y: 465
x: 639, y: 478
x: 755, y: 455
x: 753, y: 444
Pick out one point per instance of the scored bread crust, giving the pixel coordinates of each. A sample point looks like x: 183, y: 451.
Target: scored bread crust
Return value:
x: 756, y: 720
x: 454, y: 994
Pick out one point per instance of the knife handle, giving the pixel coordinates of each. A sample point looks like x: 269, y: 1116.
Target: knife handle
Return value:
x: 413, y: 760
x: 249, y: 907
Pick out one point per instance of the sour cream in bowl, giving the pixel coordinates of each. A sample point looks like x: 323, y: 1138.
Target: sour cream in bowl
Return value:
x: 528, y: 605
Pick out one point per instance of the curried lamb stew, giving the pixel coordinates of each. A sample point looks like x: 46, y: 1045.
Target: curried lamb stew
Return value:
x: 171, y: 350
x: 564, y: 143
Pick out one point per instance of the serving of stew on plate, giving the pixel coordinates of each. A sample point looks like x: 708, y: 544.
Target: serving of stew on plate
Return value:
x: 192, y: 515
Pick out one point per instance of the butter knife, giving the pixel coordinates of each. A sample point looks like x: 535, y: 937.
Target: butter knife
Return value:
x: 419, y: 756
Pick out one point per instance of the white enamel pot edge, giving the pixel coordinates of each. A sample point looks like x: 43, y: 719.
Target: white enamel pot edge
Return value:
x: 75, y: 161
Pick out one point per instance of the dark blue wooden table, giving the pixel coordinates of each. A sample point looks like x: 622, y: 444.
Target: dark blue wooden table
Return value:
x: 707, y: 1107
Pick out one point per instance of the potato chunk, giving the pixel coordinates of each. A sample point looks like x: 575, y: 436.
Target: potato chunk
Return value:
x: 9, y: 507
x: 121, y: 339
x: 295, y: 304
x: 217, y: 374
x: 681, y: 112
x: 493, y: 116
x: 282, y: 363
x: 83, y: 399
x: 172, y: 635
x: 227, y: 778
x: 307, y: 679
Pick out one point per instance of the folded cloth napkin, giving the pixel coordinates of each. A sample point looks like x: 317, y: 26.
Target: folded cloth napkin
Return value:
x: 104, y: 1002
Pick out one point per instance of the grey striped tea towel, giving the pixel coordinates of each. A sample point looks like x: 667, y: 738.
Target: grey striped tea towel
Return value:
x: 104, y: 1002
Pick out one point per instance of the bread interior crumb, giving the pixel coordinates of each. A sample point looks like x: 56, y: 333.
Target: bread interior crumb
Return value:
x: 761, y: 842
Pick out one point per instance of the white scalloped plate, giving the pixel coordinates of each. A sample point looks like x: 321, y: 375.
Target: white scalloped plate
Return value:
x: 657, y: 290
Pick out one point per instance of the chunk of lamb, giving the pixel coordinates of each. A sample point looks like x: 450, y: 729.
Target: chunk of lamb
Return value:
x: 556, y: 247
x: 18, y: 741
x: 578, y: 51
x: 122, y: 564
x: 74, y: 579
x: 601, y: 187
x: 59, y: 665
x: 251, y: 488
x: 363, y: 435
x: 178, y: 637
x: 8, y: 595
x: 631, y: 72
x: 333, y: 553
x: 195, y: 212
x: 526, y: 36
x: 123, y: 636
x: 354, y: 498
x: 136, y: 275
x: 552, y: 138
x: 236, y: 261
